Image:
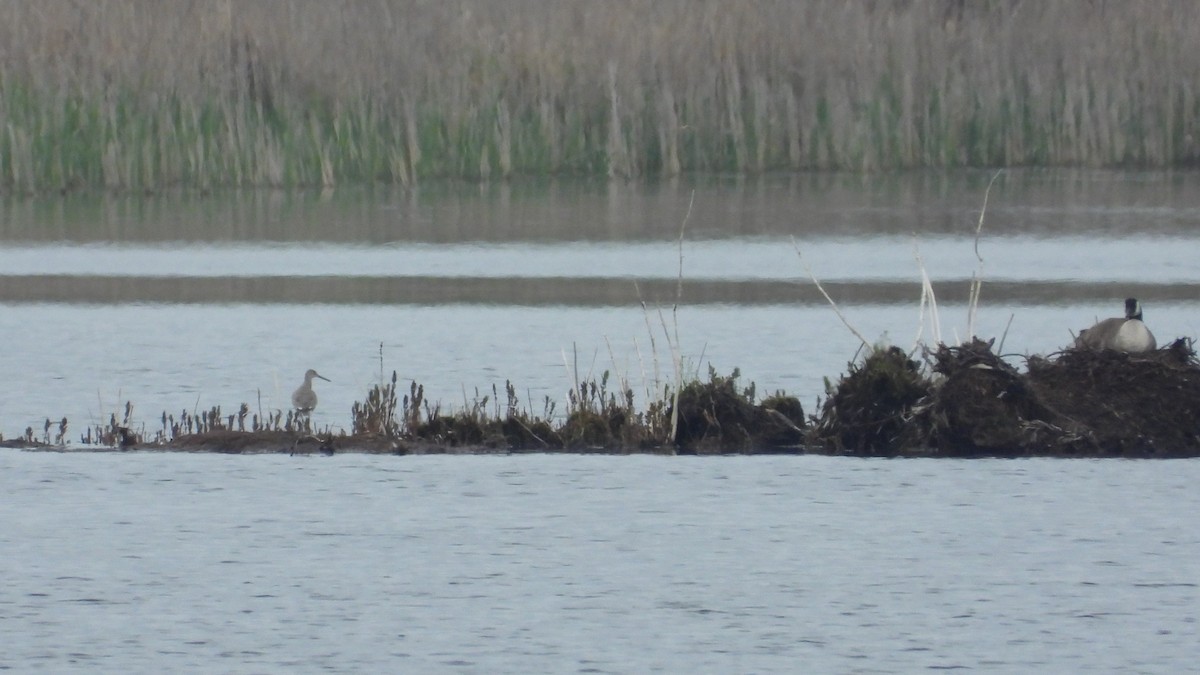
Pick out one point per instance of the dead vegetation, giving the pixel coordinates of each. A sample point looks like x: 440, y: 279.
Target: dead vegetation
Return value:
x: 865, y: 414
x: 969, y: 402
x: 717, y: 416
x: 720, y: 417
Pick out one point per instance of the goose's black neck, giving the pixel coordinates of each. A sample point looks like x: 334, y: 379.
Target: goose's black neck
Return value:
x: 1133, y: 309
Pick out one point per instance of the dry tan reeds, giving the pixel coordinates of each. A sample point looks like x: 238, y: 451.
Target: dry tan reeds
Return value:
x: 137, y: 94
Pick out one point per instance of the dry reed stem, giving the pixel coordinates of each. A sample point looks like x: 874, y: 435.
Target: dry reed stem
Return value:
x: 977, y: 276
x: 676, y: 355
x: 650, y: 331
x: 832, y: 304
x: 1004, y: 335
x: 927, y: 297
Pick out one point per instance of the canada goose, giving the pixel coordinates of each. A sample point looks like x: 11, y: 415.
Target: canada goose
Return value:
x: 304, y: 399
x: 1124, y: 335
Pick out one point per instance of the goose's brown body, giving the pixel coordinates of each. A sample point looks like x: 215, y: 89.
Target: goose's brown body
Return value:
x: 1123, y: 335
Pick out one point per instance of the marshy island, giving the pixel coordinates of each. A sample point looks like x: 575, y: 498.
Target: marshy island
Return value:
x: 138, y: 99
x: 954, y: 401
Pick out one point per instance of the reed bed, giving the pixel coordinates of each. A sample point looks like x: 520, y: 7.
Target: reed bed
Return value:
x: 143, y: 95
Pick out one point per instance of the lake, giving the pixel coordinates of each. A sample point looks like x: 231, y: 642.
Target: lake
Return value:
x: 151, y: 562
x: 148, y: 562
x: 185, y: 301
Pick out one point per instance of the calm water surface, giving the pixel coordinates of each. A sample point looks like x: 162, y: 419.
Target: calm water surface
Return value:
x: 142, y: 562
x: 119, y: 562
x: 183, y: 302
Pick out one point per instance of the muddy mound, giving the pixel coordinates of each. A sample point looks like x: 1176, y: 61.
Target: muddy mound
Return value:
x: 973, y: 403
x: 981, y: 405
x: 870, y: 410
x: 719, y: 417
x: 1134, y: 405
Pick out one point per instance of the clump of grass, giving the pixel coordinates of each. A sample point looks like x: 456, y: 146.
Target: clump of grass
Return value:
x: 413, y: 403
x: 788, y: 422
x: 60, y: 437
x: 377, y: 415
x: 482, y: 422
x: 867, y: 411
x: 599, y: 419
x: 469, y: 426
x: 114, y: 434
x: 127, y: 432
x: 720, y: 416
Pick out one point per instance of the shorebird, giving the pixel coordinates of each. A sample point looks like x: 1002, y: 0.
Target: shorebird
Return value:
x: 304, y: 399
x: 1124, y: 335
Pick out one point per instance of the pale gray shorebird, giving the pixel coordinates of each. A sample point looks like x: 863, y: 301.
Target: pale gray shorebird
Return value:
x: 304, y: 399
x: 1128, y: 335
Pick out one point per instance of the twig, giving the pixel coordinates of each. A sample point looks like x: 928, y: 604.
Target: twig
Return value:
x: 675, y: 349
x: 1004, y: 335
x: 530, y: 432
x: 652, y: 388
x: 623, y: 380
x: 979, y: 226
x: 677, y: 363
x: 591, y: 376
x: 682, y: 228
x: 653, y: 344
x: 782, y: 419
x: 977, y: 276
x: 828, y: 299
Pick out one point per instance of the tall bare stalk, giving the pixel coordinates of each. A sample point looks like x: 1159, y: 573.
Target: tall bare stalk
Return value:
x: 817, y: 282
x: 673, y: 336
x: 977, y: 275
x: 928, y: 299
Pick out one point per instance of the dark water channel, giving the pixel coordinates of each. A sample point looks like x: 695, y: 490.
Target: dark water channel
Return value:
x: 186, y: 301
